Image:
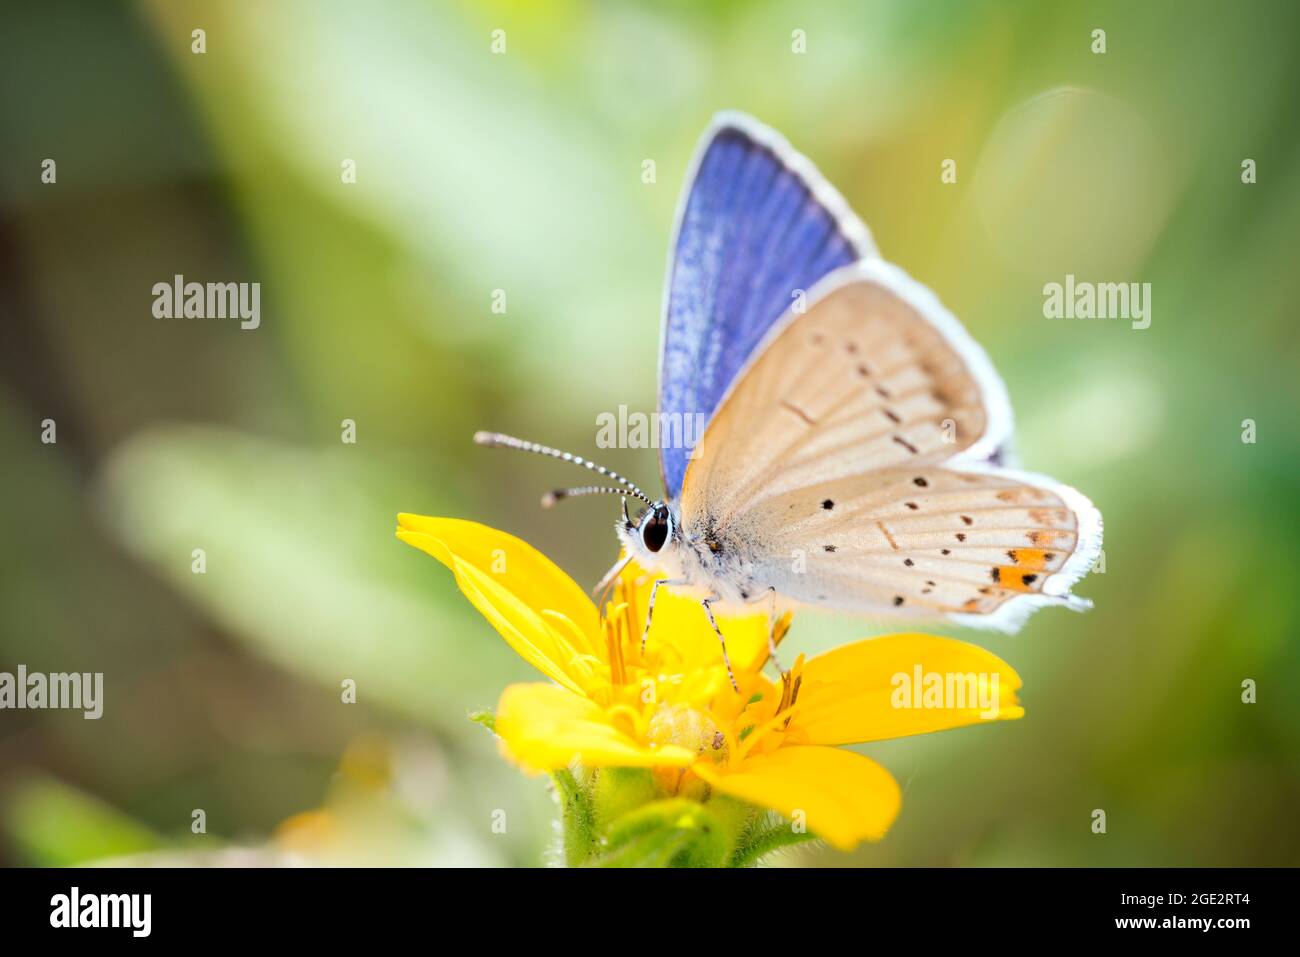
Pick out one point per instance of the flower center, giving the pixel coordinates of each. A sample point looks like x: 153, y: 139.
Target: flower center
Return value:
x: 688, y: 728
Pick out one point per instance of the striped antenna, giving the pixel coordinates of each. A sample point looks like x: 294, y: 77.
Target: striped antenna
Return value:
x: 559, y: 494
x: 497, y: 440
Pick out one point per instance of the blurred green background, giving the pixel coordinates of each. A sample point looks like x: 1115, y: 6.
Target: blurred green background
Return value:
x: 522, y: 172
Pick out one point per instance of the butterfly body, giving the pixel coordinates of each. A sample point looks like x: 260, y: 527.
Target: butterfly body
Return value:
x: 703, y: 560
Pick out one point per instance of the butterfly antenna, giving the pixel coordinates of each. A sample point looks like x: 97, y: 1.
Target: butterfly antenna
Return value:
x: 497, y: 440
x: 558, y: 494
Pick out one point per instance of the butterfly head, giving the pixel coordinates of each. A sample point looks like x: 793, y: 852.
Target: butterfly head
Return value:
x: 653, y: 537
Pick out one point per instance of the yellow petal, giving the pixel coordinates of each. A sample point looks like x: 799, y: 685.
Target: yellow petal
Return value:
x: 842, y: 797
x: 543, y: 727
x: 525, y: 596
x: 900, y: 685
x: 536, y: 580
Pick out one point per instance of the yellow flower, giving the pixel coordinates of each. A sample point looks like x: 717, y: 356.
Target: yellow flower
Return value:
x: 672, y: 708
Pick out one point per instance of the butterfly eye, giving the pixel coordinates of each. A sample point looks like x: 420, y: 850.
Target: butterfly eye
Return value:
x: 656, y: 529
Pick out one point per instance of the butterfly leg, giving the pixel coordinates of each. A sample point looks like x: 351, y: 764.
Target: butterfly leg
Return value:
x: 606, y: 582
x: 771, y: 625
x: 771, y: 632
x: 650, y: 607
x: 726, y: 660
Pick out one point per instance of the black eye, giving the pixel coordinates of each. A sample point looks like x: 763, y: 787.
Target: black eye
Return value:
x: 655, y: 528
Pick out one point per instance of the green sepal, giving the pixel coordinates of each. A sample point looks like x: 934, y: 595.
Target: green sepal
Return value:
x: 617, y: 791
x: 619, y: 817
x: 767, y: 832
x: 674, y: 832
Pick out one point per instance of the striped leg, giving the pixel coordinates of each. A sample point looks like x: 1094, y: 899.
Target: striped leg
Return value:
x: 650, y: 608
x: 726, y: 660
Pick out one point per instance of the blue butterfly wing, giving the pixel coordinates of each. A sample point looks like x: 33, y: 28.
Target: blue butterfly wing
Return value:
x: 757, y: 222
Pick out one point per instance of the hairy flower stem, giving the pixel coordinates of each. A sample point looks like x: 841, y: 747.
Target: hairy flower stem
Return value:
x: 618, y: 817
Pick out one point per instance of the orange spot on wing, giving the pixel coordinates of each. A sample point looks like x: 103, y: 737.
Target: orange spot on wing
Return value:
x: 1028, y: 559
x: 1018, y: 579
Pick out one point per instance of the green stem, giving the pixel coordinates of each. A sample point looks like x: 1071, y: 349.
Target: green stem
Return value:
x: 579, y: 826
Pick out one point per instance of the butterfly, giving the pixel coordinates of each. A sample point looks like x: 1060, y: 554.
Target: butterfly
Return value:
x: 856, y: 451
